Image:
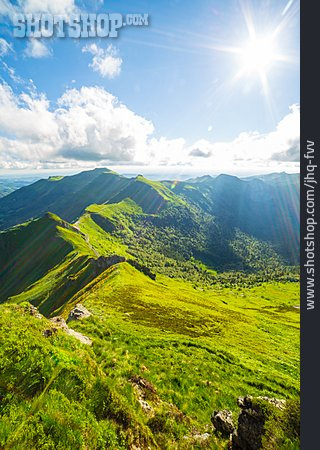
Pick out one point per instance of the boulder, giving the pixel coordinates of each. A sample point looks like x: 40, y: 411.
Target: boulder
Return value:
x: 251, y: 422
x: 78, y: 313
x: 223, y: 422
x: 33, y: 311
x: 59, y: 322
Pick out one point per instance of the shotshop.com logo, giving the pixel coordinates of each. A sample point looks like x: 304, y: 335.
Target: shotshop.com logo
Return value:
x: 74, y: 25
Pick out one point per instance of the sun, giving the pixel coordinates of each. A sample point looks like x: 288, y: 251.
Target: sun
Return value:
x: 257, y: 56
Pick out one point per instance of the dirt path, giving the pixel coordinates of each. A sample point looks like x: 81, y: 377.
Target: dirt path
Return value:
x: 87, y: 239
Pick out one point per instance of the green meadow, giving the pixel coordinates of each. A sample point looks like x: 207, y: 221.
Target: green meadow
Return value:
x: 187, y: 314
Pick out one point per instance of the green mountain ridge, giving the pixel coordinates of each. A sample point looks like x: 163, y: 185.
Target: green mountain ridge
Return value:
x: 266, y: 210
x: 187, y: 310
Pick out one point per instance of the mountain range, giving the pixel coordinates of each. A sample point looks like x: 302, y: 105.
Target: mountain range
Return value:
x: 191, y: 289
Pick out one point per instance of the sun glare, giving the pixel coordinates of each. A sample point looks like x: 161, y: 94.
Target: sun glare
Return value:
x: 257, y: 56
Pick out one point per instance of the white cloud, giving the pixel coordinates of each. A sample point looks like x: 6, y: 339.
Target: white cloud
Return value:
x: 48, y: 6
x: 5, y: 47
x: 90, y: 126
x: 12, y: 73
x: 37, y: 6
x: 87, y: 125
x: 6, y: 8
x: 254, y: 148
x: 37, y: 49
x: 105, y: 61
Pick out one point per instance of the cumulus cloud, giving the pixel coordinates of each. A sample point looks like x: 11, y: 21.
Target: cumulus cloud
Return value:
x: 105, y: 61
x: 48, y: 6
x: 280, y: 145
x: 90, y: 126
x: 201, y: 149
x: 37, y: 49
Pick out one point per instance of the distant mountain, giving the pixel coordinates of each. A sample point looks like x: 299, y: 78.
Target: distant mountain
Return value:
x: 69, y: 196
x: 266, y: 207
x: 9, y: 185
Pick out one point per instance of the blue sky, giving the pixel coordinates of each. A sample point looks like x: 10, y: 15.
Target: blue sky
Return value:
x: 181, y: 92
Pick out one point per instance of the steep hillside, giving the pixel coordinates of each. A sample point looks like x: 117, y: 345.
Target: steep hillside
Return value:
x: 69, y: 196
x: 188, y: 305
x: 41, y: 255
x: 164, y: 356
x: 265, y: 207
x: 28, y: 251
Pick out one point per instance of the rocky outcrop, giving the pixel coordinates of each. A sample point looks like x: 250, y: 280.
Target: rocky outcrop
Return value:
x: 223, y: 422
x: 145, y: 391
x: 79, y: 312
x: 251, y: 421
x: 59, y: 322
x: 104, y: 262
x: 33, y: 311
x: 145, y: 270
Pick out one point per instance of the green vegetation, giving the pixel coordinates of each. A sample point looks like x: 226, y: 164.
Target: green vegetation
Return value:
x: 198, y: 349
x: 282, y: 427
x: 191, y: 307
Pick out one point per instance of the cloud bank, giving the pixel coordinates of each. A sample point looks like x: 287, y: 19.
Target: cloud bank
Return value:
x: 89, y: 126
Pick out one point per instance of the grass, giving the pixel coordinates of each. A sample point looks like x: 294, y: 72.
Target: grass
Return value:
x: 197, y: 343
x: 198, y: 348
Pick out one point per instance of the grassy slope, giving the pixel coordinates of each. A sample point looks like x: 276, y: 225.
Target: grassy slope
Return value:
x: 28, y: 251
x: 69, y: 196
x: 44, y: 261
x: 201, y: 346
x: 200, y: 349
x: 54, y: 395
x: 210, y: 326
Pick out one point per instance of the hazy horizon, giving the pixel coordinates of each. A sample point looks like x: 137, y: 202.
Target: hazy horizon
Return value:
x: 130, y: 172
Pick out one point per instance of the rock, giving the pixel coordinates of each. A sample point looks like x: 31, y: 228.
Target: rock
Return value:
x: 251, y: 422
x: 145, y: 390
x: 145, y: 270
x: 201, y: 437
x: 49, y: 332
x: 81, y: 337
x: 104, y: 262
x: 79, y: 312
x: 143, y: 384
x: 61, y: 323
x: 33, y: 311
x: 197, y: 437
x: 223, y: 422
x: 146, y: 407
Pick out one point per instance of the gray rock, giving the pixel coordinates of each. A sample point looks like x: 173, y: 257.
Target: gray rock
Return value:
x: 146, y: 407
x: 61, y: 323
x: 33, y: 311
x: 223, y: 422
x: 78, y: 312
x: 251, y: 422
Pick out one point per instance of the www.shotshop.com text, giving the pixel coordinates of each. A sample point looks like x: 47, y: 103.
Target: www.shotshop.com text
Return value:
x: 310, y: 183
